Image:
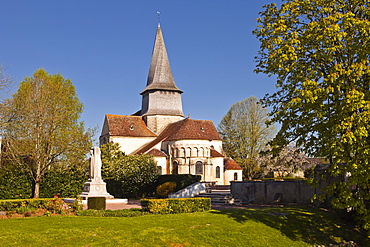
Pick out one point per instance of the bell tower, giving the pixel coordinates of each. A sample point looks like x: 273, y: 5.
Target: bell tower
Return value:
x: 161, y: 99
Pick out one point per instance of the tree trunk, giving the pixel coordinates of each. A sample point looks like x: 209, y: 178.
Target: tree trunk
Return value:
x: 36, y: 192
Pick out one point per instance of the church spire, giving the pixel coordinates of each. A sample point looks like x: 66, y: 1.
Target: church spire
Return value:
x: 160, y: 74
x: 161, y: 99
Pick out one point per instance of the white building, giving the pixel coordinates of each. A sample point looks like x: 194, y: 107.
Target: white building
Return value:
x: 179, y: 145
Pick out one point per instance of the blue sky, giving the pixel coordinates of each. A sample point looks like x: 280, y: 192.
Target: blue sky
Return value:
x: 105, y: 48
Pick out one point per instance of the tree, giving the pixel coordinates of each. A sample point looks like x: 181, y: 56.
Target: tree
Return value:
x: 42, y: 128
x: 5, y: 82
x: 287, y: 162
x: 135, y: 172
x: 245, y: 133
x: 319, y: 52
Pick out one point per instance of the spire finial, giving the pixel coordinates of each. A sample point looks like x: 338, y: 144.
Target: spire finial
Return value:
x: 159, y: 17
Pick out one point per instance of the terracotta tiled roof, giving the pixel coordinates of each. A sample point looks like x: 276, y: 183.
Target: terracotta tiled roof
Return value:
x: 230, y: 164
x: 121, y: 125
x: 214, y: 153
x: 157, y: 153
x: 187, y: 129
x: 190, y: 129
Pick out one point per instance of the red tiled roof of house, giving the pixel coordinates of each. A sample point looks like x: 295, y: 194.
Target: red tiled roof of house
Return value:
x: 214, y: 153
x: 186, y: 129
x: 230, y: 164
x: 157, y: 153
x: 121, y: 125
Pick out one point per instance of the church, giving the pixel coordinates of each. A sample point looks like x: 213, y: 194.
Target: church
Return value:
x: 179, y: 145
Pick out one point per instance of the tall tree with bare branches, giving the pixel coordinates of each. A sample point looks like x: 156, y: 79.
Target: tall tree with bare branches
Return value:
x: 245, y: 133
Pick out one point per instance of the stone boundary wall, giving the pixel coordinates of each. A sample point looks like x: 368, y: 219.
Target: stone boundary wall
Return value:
x: 290, y: 191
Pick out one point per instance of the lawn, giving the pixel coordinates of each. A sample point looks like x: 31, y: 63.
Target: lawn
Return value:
x: 273, y: 226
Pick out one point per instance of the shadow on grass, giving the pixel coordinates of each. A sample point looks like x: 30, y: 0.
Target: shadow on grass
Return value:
x: 309, y: 224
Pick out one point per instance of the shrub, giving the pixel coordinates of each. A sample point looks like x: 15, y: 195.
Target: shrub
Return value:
x: 57, y: 206
x: 164, y: 189
x: 22, y: 210
x: 97, y: 203
x: 176, y: 205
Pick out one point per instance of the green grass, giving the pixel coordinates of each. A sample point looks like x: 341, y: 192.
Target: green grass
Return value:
x: 288, y: 226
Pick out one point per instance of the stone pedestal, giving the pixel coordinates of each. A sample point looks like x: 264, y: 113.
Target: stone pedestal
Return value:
x: 95, y: 189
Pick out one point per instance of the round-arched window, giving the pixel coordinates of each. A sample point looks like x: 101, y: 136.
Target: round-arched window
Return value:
x: 199, y: 168
x: 175, y: 168
x: 218, y: 175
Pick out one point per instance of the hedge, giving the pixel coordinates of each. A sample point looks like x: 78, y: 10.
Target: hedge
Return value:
x: 16, y: 182
x: 176, y: 205
x: 11, y: 205
x: 133, y: 212
x: 97, y: 203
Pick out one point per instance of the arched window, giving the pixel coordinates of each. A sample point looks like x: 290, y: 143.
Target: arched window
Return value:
x: 199, y: 168
x: 235, y: 176
x: 159, y: 168
x: 175, y: 168
x: 218, y: 175
x: 182, y: 152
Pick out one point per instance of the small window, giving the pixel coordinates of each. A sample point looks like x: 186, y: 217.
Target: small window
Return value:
x: 235, y: 176
x: 199, y: 168
x: 175, y: 168
x: 218, y: 175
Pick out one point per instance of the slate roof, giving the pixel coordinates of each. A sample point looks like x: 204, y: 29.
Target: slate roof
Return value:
x: 186, y: 129
x: 160, y: 75
x: 230, y: 164
x: 130, y: 126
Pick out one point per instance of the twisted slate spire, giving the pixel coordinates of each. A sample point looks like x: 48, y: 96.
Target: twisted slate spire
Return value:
x: 160, y: 74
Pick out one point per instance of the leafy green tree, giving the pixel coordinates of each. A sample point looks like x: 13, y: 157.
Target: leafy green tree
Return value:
x: 42, y: 128
x: 111, y: 157
x: 319, y: 52
x: 245, y: 134
x: 135, y: 172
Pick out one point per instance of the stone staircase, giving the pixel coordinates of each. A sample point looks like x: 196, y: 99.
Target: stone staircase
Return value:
x: 219, y: 194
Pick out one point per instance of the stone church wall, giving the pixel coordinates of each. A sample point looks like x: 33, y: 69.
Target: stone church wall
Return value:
x: 130, y: 144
